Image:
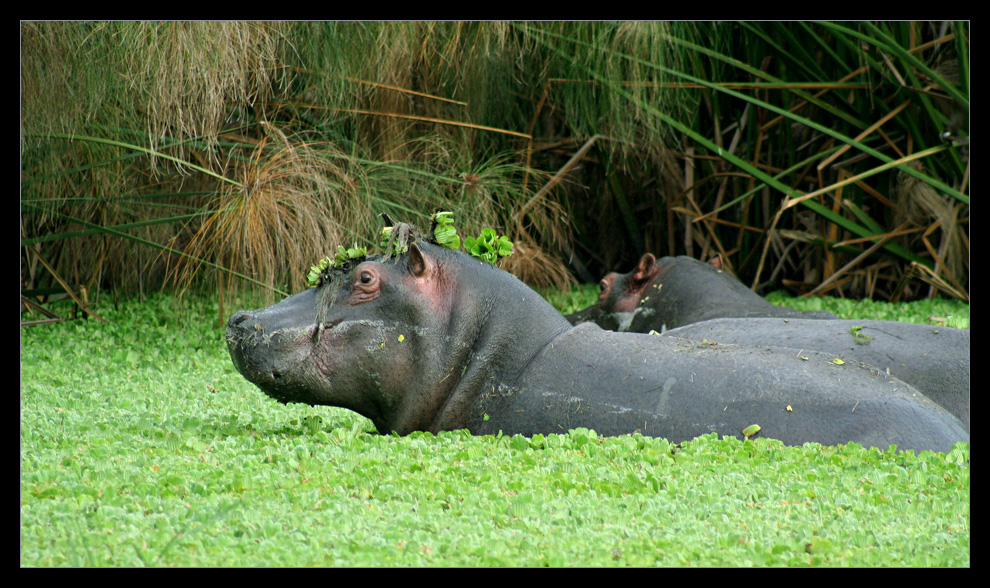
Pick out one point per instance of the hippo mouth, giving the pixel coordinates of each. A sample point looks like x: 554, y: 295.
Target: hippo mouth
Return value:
x: 296, y: 360
x: 321, y: 328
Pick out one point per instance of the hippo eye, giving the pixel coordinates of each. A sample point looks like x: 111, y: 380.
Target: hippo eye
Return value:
x: 365, y: 285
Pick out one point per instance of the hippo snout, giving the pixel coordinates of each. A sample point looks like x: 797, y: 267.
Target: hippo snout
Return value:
x: 237, y: 318
x: 241, y: 326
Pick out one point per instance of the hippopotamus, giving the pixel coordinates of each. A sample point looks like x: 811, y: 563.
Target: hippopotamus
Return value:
x: 675, y: 291
x: 935, y: 360
x: 684, y: 297
x: 432, y: 339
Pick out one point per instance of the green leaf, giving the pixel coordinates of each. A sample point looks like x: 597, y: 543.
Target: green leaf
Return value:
x: 859, y: 337
x: 751, y: 430
x: 445, y: 233
x: 315, y: 276
x: 488, y: 246
x: 384, y: 236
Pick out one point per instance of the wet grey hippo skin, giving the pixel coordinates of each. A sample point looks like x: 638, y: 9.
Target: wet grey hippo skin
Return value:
x: 699, y: 301
x: 935, y: 360
x: 670, y: 292
x: 435, y: 340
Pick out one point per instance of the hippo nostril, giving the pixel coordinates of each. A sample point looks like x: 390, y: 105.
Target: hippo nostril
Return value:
x: 237, y: 318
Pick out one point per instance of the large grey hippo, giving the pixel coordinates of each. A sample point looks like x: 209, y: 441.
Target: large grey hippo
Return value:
x: 670, y: 292
x: 683, y: 297
x: 433, y: 339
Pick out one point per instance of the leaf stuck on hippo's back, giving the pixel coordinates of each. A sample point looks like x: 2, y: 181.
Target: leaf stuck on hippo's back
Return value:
x: 751, y: 430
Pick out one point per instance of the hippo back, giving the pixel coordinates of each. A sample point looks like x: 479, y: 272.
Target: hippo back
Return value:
x: 935, y: 360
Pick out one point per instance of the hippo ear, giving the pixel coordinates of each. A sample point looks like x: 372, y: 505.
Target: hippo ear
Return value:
x: 646, y: 270
x: 716, y: 262
x: 417, y: 261
x: 642, y: 274
x: 647, y: 262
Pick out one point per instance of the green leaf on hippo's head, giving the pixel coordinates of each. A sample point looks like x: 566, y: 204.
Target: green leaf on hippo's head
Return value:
x: 313, y: 277
x: 442, y: 217
x: 384, y: 236
x: 340, y: 259
x: 448, y: 237
x: 400, y: 239
x: 444, y: 231
x: 488, y: 246
x: 504, y: 247
x: 344, y: 255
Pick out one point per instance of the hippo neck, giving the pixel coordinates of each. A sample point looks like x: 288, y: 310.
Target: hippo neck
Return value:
x: 585, y: 377
x: 514, y: 325
x: 688, y: 291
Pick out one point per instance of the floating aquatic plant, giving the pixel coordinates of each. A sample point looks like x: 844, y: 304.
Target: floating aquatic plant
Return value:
x: 444, y: 231
x: 341, y: 258
x: 860, y: 338
x: 488, y: 246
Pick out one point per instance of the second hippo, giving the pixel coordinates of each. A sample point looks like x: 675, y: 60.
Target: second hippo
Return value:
x: 670, y: 292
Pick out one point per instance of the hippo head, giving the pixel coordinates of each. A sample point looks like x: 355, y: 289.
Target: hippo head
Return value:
x: 406, y: 341
x: 670, y: 292
x: 620, y: 296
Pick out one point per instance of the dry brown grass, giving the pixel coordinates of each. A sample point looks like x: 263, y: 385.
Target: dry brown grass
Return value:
x: 290, y: 203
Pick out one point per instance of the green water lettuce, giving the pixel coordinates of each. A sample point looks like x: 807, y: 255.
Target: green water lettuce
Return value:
x: 488, y: 246
x: 339, y: 259
x: 444, y: 231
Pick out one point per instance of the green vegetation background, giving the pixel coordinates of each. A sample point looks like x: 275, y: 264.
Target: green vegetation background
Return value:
x: 142, y: 446
x: 830, y: 155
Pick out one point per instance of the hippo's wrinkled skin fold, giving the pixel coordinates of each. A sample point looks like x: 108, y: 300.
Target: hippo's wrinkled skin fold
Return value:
x: 670, y: 292
x: 436, y: 340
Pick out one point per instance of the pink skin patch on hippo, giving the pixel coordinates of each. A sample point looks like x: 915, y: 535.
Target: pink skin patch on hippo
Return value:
x: 428, y: 279
x: 628, y: 303
x: 367, y: 280
x: 433, y: 290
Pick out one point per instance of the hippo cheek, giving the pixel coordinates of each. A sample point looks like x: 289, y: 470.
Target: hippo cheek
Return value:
x: 628, y: 303
x: 360, y: 363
